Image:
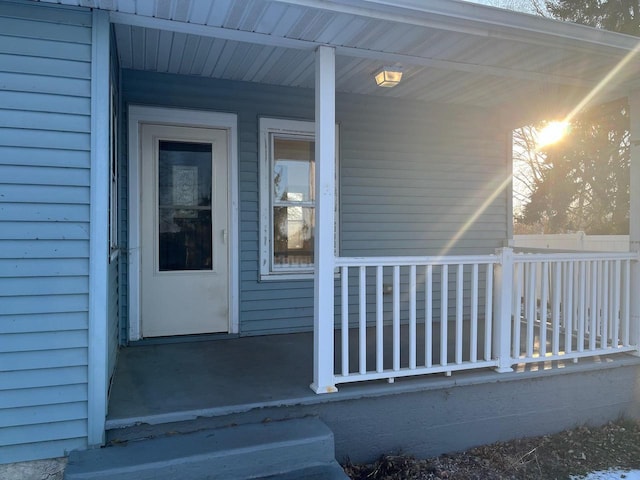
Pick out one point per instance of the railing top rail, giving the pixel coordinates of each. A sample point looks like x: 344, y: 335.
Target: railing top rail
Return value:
x: 408, y: 261
x: 525, y: 257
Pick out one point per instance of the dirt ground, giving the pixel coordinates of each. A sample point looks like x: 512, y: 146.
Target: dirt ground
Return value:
x: 571, y: 452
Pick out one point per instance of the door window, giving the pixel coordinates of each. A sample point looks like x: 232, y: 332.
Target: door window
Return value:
x: 184, y: 206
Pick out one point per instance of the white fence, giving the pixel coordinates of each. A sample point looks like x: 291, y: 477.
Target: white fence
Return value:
x: 402, y: 316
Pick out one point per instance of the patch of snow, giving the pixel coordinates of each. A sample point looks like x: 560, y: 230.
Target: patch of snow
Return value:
x: 610, y: 475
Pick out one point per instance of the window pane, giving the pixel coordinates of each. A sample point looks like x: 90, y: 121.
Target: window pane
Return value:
x: 185, y: 239
x: 293, y: 170
x: 293, y: 236
x: 184, y: 210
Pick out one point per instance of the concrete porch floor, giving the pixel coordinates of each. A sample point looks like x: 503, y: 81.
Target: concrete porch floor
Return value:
x: 182, y: 380
x: 163, y: 382
x: 159, y: 383
x: 153, y: 383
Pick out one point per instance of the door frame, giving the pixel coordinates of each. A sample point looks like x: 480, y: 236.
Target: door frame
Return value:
x: 178, y: 117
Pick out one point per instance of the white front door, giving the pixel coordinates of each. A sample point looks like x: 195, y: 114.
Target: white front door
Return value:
x: 184, y: 257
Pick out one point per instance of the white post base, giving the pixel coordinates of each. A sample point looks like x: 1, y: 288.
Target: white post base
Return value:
x: 503, y: 369
x: 325, y: 389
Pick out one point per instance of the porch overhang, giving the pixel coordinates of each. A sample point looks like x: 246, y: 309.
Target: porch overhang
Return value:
x: 451, y: 51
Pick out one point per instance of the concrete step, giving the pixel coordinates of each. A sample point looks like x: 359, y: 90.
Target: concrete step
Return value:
x: 265, y: 450
x: 332, y: 471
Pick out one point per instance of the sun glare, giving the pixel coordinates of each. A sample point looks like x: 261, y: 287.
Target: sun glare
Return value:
x: 551, y: 133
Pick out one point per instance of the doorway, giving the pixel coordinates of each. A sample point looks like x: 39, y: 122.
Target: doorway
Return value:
x: 182, y: 201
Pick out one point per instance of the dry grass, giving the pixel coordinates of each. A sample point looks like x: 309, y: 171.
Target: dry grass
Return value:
x: 571, y: 452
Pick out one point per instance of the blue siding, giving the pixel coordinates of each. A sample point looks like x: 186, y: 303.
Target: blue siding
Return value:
x: 45, y: 65
x: 407, y: 185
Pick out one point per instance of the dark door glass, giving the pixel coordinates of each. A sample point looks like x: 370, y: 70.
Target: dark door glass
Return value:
x: 184, y: 206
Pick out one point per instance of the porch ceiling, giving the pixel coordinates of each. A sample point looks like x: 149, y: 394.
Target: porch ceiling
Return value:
x: 451, y: 52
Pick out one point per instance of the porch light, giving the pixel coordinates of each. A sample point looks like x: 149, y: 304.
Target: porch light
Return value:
x: 388, y: 76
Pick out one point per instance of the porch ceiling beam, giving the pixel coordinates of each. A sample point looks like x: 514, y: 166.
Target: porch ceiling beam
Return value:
x: 479, y: 20
x: 274, y: 41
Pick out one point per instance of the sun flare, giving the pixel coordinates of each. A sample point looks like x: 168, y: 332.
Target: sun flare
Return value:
x: 552, y: 133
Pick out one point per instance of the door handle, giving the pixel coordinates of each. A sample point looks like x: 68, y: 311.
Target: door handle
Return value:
x: 224, y: 236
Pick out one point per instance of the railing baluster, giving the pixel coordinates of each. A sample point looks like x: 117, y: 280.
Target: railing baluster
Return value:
x: 593, y: 326
x: 615, y: 318
x: 344, y: 333
x: 363, y: 320
x: 412, y: 317
x: 599, y: 311
x: 582, y: 275
x: 568, y: 312
x: 531, y: 306
x: 612, y: 302
x: 379, y: 319
x: 544, y: 300
x: 428, y: 309
x: 444, y: 307
x: 488, y: 312
x: 473, y: 354
x: 459, y: 307
x: 624, y: 312
x: 396, y: 317
x: 604, y: 340
x: 517, y: 307
x: 557, y: 295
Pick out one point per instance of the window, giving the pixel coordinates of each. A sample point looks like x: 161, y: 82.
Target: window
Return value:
x: 287, y: 198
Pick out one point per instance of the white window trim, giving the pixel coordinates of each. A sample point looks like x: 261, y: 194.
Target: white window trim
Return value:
x: 114, y: 183
x: 267, y: 127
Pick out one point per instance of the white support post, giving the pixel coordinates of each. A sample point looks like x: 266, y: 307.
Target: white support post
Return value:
x: 323, y: 322
x: 634, y: 218
x: 503, y: 290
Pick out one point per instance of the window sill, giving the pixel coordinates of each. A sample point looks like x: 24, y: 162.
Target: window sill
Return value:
x: 270, y: 277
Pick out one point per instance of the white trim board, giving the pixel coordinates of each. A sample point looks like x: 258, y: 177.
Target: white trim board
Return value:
x: 98, y: 244
x: 192, y: 118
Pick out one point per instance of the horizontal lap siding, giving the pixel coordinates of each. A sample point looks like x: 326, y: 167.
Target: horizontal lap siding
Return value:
x: 45, y: 83
x: 411, y: 177
x: 411, y: 184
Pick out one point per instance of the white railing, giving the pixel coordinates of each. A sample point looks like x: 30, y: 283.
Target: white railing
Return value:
x: 431, y: 311
x: 403, y: 316
x: 570, y: 305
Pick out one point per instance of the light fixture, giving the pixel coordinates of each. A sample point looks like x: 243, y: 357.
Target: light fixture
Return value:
x: 388, y: 76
